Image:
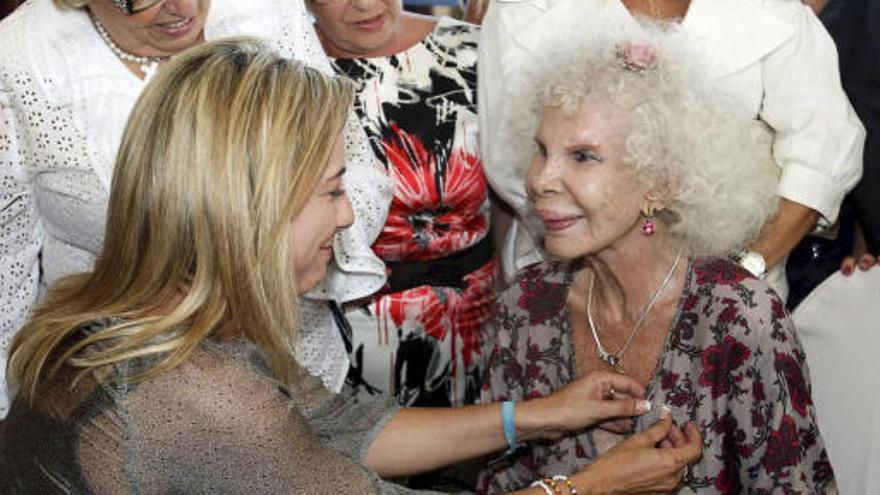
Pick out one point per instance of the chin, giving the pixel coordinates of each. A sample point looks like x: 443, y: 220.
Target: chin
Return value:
x: 564, y: 251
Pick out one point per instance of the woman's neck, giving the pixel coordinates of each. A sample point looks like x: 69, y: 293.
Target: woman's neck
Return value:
x: 628, y: 277
x: 660, y: 10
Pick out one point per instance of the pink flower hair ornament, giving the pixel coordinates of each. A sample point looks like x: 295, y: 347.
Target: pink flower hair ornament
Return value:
x: 637, y: 57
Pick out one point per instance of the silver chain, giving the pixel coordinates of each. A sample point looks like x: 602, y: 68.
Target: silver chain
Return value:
x: 615, y: 359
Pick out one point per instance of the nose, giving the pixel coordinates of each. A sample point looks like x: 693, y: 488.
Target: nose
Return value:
x: 344, y: 213
x: 543, y: 177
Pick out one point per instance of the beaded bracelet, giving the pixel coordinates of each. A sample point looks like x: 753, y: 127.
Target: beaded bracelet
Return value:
x: 545, y: 486
x: 572, y: 489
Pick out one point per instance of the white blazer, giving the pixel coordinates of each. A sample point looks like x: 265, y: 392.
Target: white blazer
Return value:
x: 773, y: 55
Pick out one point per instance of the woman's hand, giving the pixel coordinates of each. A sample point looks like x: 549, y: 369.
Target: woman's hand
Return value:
x: 638, y: 465
x: 597, y: 397
x: 860, y: 256
x: 865, y: 262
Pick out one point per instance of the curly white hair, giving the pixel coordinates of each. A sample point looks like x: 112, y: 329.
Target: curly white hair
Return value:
x: 683, y: 133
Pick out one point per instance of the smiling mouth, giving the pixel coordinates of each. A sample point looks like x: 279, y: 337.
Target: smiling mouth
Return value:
x: 176, y: 27
x: 371, y: 23
x: 555, y: 222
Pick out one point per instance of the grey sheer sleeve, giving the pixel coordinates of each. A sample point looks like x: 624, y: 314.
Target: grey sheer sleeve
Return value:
x: 215, y: 424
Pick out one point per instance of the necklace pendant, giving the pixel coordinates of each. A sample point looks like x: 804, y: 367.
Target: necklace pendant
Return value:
x: 615, y: 363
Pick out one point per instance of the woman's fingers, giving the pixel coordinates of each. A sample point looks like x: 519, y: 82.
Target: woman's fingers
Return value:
x: 619, y: 384
x: 848, y: 265
x: 693, y: 446
x: 620, y: 408
x: 675, y: 437
x: 653, y: 435
x: 866, y: 261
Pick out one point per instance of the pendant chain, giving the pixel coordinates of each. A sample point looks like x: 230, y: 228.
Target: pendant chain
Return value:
x: 615, y: 360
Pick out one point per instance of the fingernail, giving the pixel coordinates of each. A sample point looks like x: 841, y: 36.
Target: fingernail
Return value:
x: 642, y: 406
x: 847, y: 270
x: 664, y: 411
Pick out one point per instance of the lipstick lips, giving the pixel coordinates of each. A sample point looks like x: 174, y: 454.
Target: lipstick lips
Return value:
x: 556, y: 222
x: 374, y: 23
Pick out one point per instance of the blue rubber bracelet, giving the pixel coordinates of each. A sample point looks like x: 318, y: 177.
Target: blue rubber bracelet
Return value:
x: 508, y: 425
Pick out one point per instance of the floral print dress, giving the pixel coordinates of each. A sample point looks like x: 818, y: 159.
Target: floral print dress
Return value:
x: 418, y: 108
x: 732, y: 364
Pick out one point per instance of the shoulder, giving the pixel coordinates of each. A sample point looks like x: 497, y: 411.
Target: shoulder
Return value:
x: 45, y: 42
x: 737, y: 303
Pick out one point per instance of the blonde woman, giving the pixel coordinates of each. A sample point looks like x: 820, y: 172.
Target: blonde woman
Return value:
x: 70, y: 73
x: 166, y: 369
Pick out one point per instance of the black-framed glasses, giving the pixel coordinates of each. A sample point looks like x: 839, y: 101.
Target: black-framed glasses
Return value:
x: 132, y: 7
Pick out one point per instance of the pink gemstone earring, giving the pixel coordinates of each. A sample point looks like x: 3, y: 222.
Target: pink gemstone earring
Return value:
x: 648, y: 227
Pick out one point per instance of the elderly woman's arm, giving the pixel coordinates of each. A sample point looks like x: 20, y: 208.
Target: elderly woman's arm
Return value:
x: 772, y: 436
x: 818, y: 138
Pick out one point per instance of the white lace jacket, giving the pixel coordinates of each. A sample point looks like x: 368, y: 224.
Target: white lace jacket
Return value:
x: 64, y: 100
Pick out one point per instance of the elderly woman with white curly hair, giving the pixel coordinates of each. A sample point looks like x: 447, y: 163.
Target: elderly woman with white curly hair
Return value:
x: 643, y: 178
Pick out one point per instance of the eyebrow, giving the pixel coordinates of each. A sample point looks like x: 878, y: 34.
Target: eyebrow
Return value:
x: 338, y: 174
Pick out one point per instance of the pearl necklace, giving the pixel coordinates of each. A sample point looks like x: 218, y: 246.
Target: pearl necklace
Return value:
x: 147, y: 65
x: 615, y: 360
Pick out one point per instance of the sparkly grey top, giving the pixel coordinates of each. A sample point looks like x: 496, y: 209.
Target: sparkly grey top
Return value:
x: 218, y: 423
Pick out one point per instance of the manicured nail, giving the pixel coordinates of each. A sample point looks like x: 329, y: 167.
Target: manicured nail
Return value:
x: 847, y: 270
x: 642, y: 406
x: 664, y: 411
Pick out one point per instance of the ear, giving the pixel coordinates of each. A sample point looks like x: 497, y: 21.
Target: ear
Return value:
x: 656, y: 199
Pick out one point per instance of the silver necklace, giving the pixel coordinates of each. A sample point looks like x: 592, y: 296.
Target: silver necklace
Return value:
x: 146, y: 64
x: 615, y: 360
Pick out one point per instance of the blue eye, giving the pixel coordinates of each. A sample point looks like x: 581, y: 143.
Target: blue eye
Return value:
x: 585, y: 156
x: 337, y: 193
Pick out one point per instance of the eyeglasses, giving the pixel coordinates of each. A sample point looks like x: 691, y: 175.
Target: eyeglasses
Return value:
x: 132, y: 7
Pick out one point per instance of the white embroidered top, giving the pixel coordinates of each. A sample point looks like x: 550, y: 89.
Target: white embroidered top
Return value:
x: 64, y: 101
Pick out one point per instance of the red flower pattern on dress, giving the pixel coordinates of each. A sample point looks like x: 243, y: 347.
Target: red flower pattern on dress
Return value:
x: 725, y: 376
x: 783, y: 447
x: 543, y: 300
x: 719, y: 363
x: 721, y: 272
x: 790, y: 370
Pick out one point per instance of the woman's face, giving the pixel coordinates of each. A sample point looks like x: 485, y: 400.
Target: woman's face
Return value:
x: 313, y: 228
x: 586, y: 197
x: 356, y: 28
x: 165, y: 29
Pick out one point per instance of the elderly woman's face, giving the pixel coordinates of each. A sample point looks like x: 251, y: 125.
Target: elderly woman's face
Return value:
x: 315, y: 226
x: 586, y: 197
x: 356, y: 28
x: 164, y: 29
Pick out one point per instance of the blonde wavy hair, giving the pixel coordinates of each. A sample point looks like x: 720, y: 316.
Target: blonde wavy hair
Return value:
x: 221, y: 151
x: 683, y: 132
